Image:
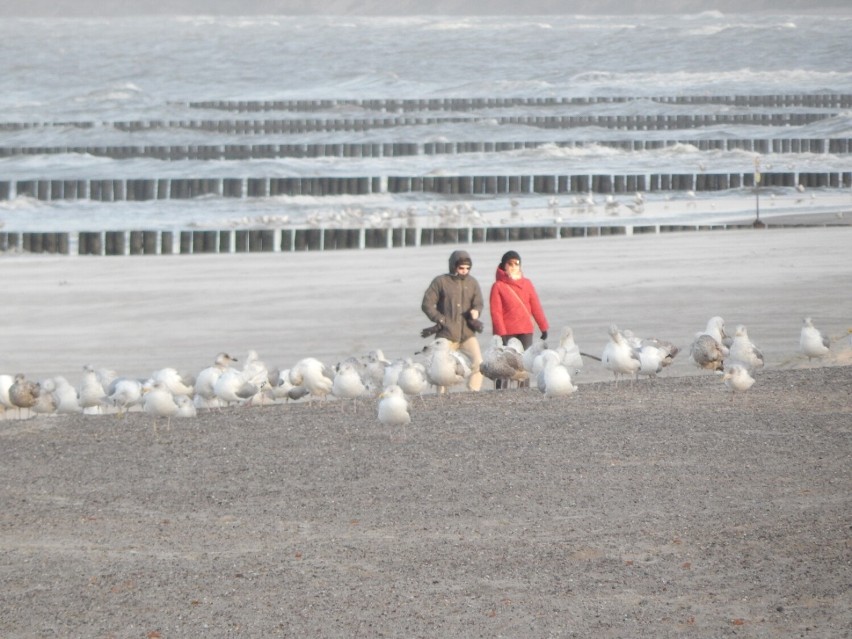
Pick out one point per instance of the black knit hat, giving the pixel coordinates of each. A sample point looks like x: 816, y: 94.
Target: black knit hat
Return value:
x: 509, y: 255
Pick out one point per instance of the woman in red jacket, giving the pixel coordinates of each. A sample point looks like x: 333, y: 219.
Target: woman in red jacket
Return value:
x: 515, y: 305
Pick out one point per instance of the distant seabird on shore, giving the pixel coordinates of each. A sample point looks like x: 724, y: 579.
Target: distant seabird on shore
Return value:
x: 811, y: 342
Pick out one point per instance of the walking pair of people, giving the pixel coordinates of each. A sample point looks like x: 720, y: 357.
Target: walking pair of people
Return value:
x: 454, y: 302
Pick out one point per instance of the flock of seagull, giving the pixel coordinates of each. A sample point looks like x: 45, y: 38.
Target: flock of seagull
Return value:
x: 438, y: 367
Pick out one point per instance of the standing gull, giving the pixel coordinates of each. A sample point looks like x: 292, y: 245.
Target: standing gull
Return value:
x: 618, y: 356
x: 707, y: 350
x: 24, y: 393
x: 444, y: 368
x: 159, y: 402
x: 503, y: 362
x: 205, y: 381
x: 393, y: 407
x: 554, y: 378
x: 811, y: 342
x: 744, y: 351
x: 737, y: 379
x: 348, y: 384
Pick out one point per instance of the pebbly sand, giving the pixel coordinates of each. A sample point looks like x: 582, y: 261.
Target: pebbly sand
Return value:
x: 666, y: 508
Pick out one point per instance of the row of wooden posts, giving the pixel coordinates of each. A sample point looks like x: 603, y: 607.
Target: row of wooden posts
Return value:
x: 818, y: 100
x: 315, y: 125
x: 305, y: 239
x: 142, y: 189
x: 837, y: 146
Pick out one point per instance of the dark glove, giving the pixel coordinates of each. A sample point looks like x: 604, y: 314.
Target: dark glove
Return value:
x: 544, y: 335
x: 432, y: 330
x: 475, y: 325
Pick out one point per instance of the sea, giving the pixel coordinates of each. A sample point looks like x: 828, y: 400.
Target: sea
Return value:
x: 71, y: 83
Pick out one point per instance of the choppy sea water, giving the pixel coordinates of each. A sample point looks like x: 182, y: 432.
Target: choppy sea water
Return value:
x: 71, y: 80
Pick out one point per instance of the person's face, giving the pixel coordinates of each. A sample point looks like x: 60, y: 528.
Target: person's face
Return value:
x: 463, y: 269
x: 513, y: 266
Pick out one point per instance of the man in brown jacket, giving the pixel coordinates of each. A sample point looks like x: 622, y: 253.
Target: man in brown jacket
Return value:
x: 454, y: 302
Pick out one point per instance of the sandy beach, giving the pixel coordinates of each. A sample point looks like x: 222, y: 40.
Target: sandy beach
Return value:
x: 664, y: 508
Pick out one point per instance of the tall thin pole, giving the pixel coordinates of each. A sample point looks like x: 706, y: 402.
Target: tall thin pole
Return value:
x: 757, y: 221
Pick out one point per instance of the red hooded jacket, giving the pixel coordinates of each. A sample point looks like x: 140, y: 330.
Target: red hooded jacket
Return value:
x: 514, y: 304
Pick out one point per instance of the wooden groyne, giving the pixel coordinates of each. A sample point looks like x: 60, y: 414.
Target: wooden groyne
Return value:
x: 142, y: 189
x: 817, y: 100
x: 235, y: 152
x: 290, y: 126
x: 150, y: 242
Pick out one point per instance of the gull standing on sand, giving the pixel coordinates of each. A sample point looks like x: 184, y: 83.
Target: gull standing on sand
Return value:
x: 744, y: 351
x: 92, y: 390
x: 554, y: 378
x: 707, y: 350
x: 569, y: 352
x: 313, y: 375
x: 159, y: 402
x: 654, y: 354
x: 413, y: 379
x: 6, y: 382
x: 444, y: 368
x: 811, y: 342
x: 205, y: 381
x: 124, y: 393
x: 503, y: 362
x: 618, y: 356
x: 24, y: 393
x: 737, y: 379
x: 348, y: 384
x: 393, y: 407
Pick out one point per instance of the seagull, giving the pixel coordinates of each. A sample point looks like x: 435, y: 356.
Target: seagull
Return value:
x: 813, y: 343
x: 375, y: 366
x: 737, y: 379
x: 347, y: 383
x: 256, y: 374
x: 393, y: 407
x: 280, y: 386
x: 205, y: 381
x: 707, y: 350
x: 66, y: 396
x: 531, y: 353
x: 313, y: 375
x: 443, y: 368
x: 618, y: 356
x: 159, y: 402
x: 501, y: 364
x: 743, y: 350
x: 554, y: 379
x: 6, y: 381
x: 569, y: 352
x: 24, y: 393
x: 124, y: 393
x: 186, y: 408
x: 91, y: 391
x: 413, y: 379
x: 45, y: 403
x: 174, y: 381
x: 233, y: 387
x: 654, y: 354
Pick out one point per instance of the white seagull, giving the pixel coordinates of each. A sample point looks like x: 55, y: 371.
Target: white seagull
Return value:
x: 554, y: 379
x: 205, y: 381
x: 159, y: 402
x: 811, y: 342
x: 348, y: 384
x: 744, y: 351
x: 737, y: 379
x: 313, y: 375
x: 618, y: 356
x: 393, y: 407
x: 444, y: 369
